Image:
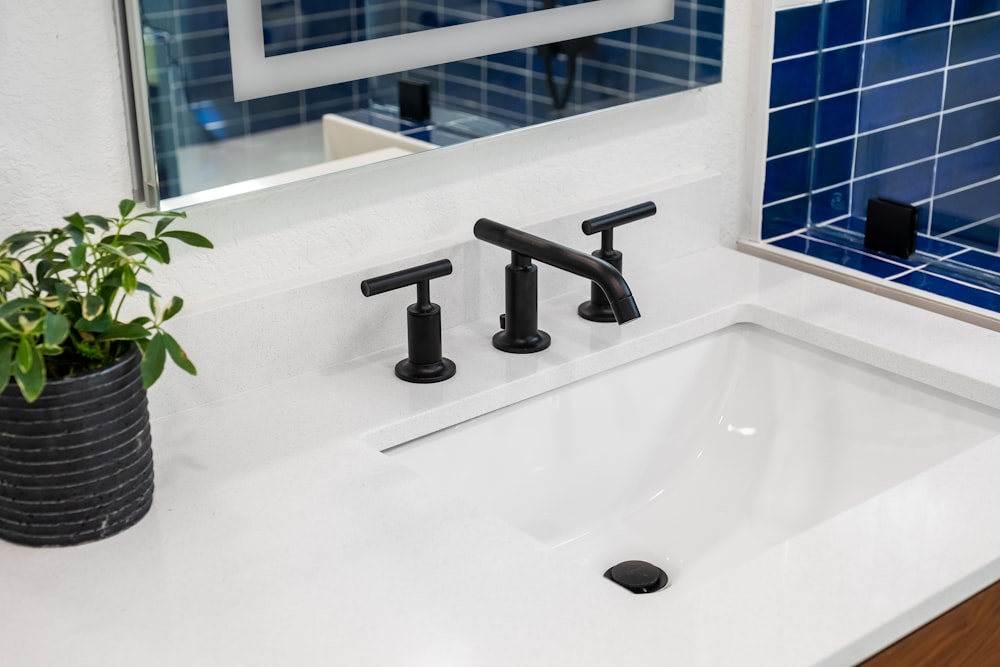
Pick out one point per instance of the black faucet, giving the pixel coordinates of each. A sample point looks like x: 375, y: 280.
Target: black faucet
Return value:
x: 520, y: 333
x: 423, y: 363
x: 597, y: 309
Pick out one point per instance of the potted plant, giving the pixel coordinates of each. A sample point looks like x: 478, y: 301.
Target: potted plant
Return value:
x: 76, y: 359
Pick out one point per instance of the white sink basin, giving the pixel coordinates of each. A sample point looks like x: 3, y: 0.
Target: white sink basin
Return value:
x: 701, y: 456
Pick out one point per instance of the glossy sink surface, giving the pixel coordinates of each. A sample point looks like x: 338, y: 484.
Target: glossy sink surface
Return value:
x: 701, y: 456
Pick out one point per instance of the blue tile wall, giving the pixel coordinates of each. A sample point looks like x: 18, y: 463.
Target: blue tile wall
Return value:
x: 193, y: 103
x: 897, y: 99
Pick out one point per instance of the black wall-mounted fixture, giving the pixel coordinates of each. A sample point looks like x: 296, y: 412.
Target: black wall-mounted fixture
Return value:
x: 424, y: 363
x: 597, y: 309
x: 519, y: 324
x: 891, y: 227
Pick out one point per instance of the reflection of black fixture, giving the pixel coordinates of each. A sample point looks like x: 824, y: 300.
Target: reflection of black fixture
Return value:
x: 414, y: 101
x: 573, y: 49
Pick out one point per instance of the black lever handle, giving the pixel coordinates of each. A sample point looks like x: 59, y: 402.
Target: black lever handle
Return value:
x: 598, y: 309
x: 412, y: 276
x: 424, y: 363
x: 609, y: 221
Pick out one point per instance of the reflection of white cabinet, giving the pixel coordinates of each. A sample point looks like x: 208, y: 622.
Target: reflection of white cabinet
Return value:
x: 346, y: 138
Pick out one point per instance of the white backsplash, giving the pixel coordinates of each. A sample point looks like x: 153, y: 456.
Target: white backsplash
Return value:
x: 292, y: 329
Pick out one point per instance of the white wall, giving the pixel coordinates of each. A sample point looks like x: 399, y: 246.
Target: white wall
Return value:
x: 62, y: 129
x: 62, y: 138
x: 62, y: 141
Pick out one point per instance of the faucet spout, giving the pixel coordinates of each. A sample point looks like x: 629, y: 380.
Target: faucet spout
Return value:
x: 519, y: 324
x: 607, y: 277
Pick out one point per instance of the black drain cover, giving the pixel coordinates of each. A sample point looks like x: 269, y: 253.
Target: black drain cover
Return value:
x: 637, y: 576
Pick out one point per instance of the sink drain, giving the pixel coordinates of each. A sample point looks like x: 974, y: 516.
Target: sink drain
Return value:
x: 637, y: 576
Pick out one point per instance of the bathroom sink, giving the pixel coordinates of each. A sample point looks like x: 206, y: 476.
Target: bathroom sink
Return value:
x: 701, y: 456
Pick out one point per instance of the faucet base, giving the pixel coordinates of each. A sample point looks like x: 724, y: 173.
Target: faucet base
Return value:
x: 596, y: 312
x: 425, y: 373
x: 536, y: 342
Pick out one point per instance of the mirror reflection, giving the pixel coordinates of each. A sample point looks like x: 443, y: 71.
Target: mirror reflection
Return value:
x: 291, y: 26
x: 208, y: 145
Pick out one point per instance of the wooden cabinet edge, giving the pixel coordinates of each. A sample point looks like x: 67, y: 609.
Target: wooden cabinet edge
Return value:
x: 965, y: 635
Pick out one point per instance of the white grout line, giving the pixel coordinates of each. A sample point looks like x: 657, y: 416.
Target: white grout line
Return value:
x: 963, y: 228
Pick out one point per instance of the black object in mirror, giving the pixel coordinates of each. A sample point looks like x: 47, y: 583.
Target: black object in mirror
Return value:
x: 414, y: 101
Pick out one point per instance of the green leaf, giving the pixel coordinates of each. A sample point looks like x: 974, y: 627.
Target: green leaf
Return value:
x: 143, y: 287
x: 16, y: 305
x: 63, y: 292
x: 163, y: 250
x: 50, y: 301
x: 164, y: 214
x: 6, y: 357
x: 192, y: 239
x: 77, y: 256
x: 76, y: 235
x: 163, y: 223
x: 76, y: 221
x: 152, y: 251
x: 19, y: 241
x: 21, y: 237
x: 56, y: 328
x: 93, y: 306
x: 42, y: 268
x: 130, y: 331
x: 10, y: 271
x: 153, y: 360
x: 97, y: 325
x: 125, y: 207
x: 29, y: 325
x: 174, y: 307
x: 133, y: 244
x: 106, y: 247
x: 31, y: 380
x: 129, y: 281
x: 98, y: 221
x: 178, y: 355
x: 24, y: 356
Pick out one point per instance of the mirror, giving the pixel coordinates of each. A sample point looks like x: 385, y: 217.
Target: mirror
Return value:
x: 236, y: 95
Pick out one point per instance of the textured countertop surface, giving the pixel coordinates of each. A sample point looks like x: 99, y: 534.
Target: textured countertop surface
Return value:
x: 280, y: 534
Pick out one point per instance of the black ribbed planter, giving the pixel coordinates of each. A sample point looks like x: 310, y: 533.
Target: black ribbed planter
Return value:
x: 76, y: 465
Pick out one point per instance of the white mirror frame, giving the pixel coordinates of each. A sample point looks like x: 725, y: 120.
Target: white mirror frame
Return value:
x: 255, y: 75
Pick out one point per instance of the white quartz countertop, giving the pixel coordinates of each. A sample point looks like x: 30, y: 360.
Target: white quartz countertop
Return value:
x: 280, y: 535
